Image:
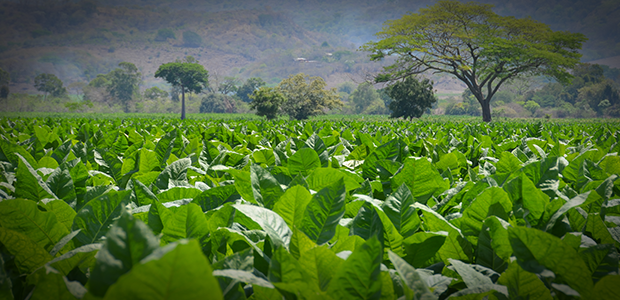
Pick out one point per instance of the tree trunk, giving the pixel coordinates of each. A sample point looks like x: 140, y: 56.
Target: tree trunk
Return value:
x: 486, y: 110
x: 182, y: 103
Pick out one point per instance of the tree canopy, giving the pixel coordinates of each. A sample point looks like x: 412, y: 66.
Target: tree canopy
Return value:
x: 189, y: 75
x: 123, y: 82
x: 49, y: 84
x: 306, y: 96
x: 479, y: 47
x: 411, y: 97
x: 267, y: 102
x: 250, y: 85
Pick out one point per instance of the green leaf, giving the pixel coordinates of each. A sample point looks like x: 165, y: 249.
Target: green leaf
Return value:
x: 367, y: 223
x: 471, y: 277
x: 15, y: 153
x: 358, y: 276
x: 216, y: 197
x: 422, y: 248
x: 536, y: 250
x: 29, y: 256
x: 54, y: 286
x: 29, y: 184
x: 24, y: 216
x: 64, y: 213
x: 607, y: 288
x: 243, y: 276
x: 602, y: 260
x: 264, y: 156
x: 148, y: 161
x: 494, y: 248
x: 270, y: 222
x: 187, y: 221
x: 522, y: 190
x: 577, y: 201
x: 456, y: 246
x: 142, y: 195
x: 492, y: 202
x: 288, y: 276
x: 176, y: 271
x: 178, y: 193
x: 126, y: 244
x: 292, y: 205
x: 303, y: 161
x: 243, y: 184
x: 96, y: 217
x: 324, y: 212
x: 415, y: 287
x: 61, y: 184
x: 320, y: 263
x: 265, y: 187
x: 323, y: 177
x: 300, y: 243
x: 398, y: 208
x: 523, y: 284
x: 174, y: 174
x: 391, y: 150
x: 109, y: 163
x: 422, y: 179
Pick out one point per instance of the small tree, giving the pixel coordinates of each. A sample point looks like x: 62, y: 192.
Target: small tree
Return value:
x: 363, y: 97
x: 251, y: 85
x: 306, y: 96
x: 411, y: 97
x: 267, y: 102
x: 531, y: 106
x: 49, y: 84
x: 155, y: 93
x: 189, y: 76
x: 164, y: 34
x: 124, y: 82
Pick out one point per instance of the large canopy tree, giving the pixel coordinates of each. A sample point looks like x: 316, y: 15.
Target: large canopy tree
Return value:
x: 49, y: 84
x: 479, y: 47
x: 306, y: 96
x: 189, y: 75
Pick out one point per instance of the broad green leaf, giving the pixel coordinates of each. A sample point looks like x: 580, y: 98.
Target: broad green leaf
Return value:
x: 576, y: 201
x: 607, y: 288
x: 174, y: 174
x: 422, y: 179
x: 323, y: 213
x: 320, y: 264
x: 96, y: 217
x: 288, y: 276
x: 358, y: 276
x: 471, y: 277
x: 323, y: 177
x: 415, y: 287
x: 216, y: 197
x: 15, y: 153
x: 391, y: 150
x: 303, y: 161
x: 29, y: 184
x: 522, y: 190
x: 142, y: 194
x: 292, y: 205
x: 25, y: 217
x: 176, y: 271
x: 178, y: 193
x: 523, y: 284
x: 264, y: 156
x: 398, y: 208
x: 126, y: 244
x: 64, y: 213
x: 188, y: 221
x: 492, y: 202
x: 243, y: 276
x: 148, y: 161
x: 367, y: 223
x: 269, y: 221
x: 243, y: 184
x: 422, y: 248
x: 109, y: 163
x: 61, y: 184
x: 265, y: 187
x: 29, y: 256
x: 601, y: 260
x: 54, y: 286
x: 300, y: 243
x: 536, y: 250
x: 597, y: 230
x: 494, y: 248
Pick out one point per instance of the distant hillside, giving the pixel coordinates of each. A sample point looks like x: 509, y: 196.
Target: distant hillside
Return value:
x: 78, y: 40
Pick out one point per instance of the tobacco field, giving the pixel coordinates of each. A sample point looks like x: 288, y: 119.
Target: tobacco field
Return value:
x: 144, y: 208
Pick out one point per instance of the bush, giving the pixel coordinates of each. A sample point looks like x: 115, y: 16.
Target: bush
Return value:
x: 191, y: 39
x: 164, y: 34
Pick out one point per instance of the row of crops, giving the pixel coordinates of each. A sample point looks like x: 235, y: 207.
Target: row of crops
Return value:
x: 163, y: 209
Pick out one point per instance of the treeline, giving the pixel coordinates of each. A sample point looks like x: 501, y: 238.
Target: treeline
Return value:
x: 593, y: 92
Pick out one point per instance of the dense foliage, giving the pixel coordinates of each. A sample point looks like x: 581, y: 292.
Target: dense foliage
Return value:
x: 148, y: 208
x: 188, y: 75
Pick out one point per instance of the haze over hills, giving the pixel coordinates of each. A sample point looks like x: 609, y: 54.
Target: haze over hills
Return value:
x: 76, y: 40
